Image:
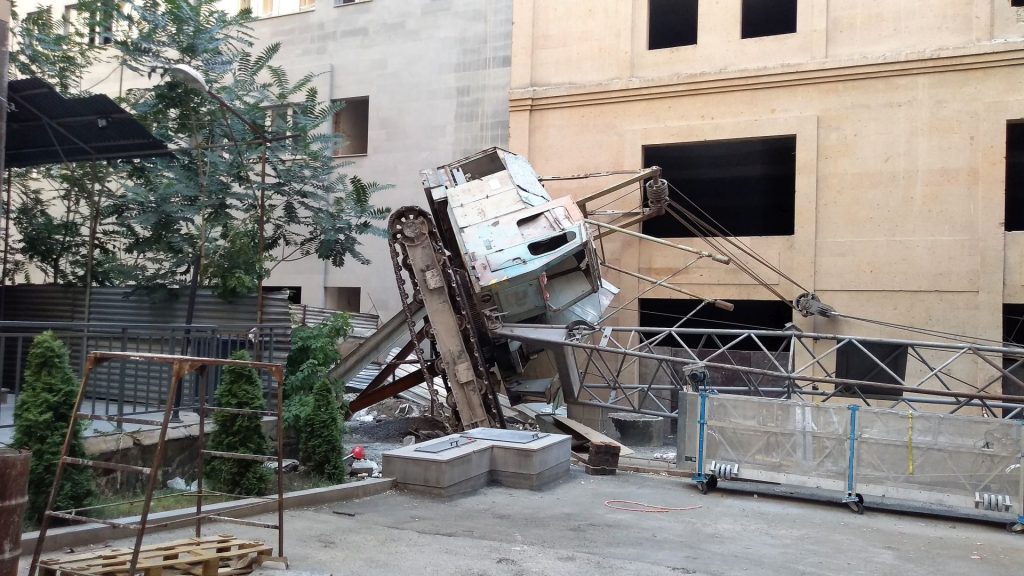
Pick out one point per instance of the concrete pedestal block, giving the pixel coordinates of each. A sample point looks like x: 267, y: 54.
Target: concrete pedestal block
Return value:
x: 412, y: 466
x: 460, y: 463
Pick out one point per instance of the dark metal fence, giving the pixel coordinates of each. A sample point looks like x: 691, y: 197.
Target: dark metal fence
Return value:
x: 123, y: 388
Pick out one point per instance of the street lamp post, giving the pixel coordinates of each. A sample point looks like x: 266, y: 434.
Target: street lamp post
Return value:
x: 192, y: 78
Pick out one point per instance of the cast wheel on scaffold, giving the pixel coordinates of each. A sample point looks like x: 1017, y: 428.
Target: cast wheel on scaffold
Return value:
x: 709, y: 483
x: 1015, y: 528
x: 857, y: 506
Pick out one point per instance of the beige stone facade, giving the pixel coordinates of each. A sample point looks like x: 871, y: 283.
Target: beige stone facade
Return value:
x: 900, y: 112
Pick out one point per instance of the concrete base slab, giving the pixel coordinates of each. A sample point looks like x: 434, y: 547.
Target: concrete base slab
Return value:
x: 531, y: 481
x: 459, y: 488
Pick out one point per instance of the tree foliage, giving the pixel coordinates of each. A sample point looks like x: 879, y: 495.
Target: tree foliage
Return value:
x: 46, y: 401
x: 265, y: 164
x: 241, y: 433
x: 313, y: 353
x: 195, y: 218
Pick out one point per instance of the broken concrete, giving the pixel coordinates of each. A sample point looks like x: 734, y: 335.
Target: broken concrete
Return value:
x: 638, y: 429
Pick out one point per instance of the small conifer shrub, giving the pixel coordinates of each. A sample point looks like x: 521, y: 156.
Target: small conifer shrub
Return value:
x: 242, y: 433
x: 41, y: 416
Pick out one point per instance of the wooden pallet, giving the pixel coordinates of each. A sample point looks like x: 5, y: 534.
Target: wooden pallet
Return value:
x: 222, y: 555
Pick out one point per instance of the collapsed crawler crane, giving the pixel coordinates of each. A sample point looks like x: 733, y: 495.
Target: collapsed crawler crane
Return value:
x: 498, y: 274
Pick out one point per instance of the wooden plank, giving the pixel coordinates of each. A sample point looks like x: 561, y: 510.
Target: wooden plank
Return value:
x: 589, y: 434
x: 202, y: 557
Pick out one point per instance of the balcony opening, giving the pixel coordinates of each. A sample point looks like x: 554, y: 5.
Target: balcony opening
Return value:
x: 724, y: 351
x: 747, y: 315
x: 1013, y: 333
x: 875, y: 365
x: 747, y: 186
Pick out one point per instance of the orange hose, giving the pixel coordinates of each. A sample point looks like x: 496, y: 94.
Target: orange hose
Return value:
x: 645, y: 507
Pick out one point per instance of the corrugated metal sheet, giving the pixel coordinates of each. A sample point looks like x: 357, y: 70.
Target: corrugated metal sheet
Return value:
x: 31, y: 303
x: 362, y: 324
x: 419, y: 394
x: 86, y: 128
x: 119, y: 321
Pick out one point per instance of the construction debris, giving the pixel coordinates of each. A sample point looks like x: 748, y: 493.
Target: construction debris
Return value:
x: 587, y: 433
x: 222, y: 555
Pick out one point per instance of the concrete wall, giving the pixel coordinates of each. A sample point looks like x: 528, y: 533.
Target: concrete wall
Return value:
x: 437, y: 76
x: 899, y: 109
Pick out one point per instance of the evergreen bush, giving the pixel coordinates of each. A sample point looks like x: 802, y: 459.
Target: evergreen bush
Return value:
x: 320, y: 445
x: 242, y: 433
x: 41, y: 415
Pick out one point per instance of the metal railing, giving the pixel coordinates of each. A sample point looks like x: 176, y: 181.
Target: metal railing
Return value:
x: 126, y: 388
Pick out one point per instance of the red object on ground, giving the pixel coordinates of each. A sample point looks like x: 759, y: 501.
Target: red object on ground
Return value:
x: 358, y: 453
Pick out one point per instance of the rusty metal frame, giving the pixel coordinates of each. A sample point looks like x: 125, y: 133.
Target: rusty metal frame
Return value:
x: 181, y: 366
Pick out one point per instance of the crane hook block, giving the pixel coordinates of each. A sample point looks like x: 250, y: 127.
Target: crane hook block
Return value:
x: 808, y: 304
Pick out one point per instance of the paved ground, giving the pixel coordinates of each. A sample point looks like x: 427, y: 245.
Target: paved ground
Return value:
x: 566, y: 529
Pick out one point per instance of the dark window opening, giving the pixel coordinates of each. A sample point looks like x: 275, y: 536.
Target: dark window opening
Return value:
x: 853, y: 364
x: 346, y: 299
x: 768, y: 18
x: 1013, y: 333
x: 294, y: 292
x: 747, y: 186
x: 747, y: 315
x: 351, y: 127
x: 551, y: 244
x: 1017, y: 3
x: 671, y: 23
x: 742, y: 353
x: 1014, y: 218
x: 481, y: 166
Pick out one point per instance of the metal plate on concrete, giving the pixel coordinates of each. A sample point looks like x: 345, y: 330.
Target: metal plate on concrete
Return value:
x: 499, y: 435
x: 442, y: 445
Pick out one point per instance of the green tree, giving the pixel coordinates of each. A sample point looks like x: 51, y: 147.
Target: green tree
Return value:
x: 65, y: 214
x: 320, y: 445
x: 263, y: 171
x: 46, y: 401
x: 313, y: 353
x: 245, y: 193
x: 241, y: 433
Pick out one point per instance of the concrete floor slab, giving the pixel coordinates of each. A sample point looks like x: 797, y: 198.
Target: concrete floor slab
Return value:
x: 566, y: 529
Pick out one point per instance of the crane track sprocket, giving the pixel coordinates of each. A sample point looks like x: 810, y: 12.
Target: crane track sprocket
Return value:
x: 411, y: 226
x: 399, y: 262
